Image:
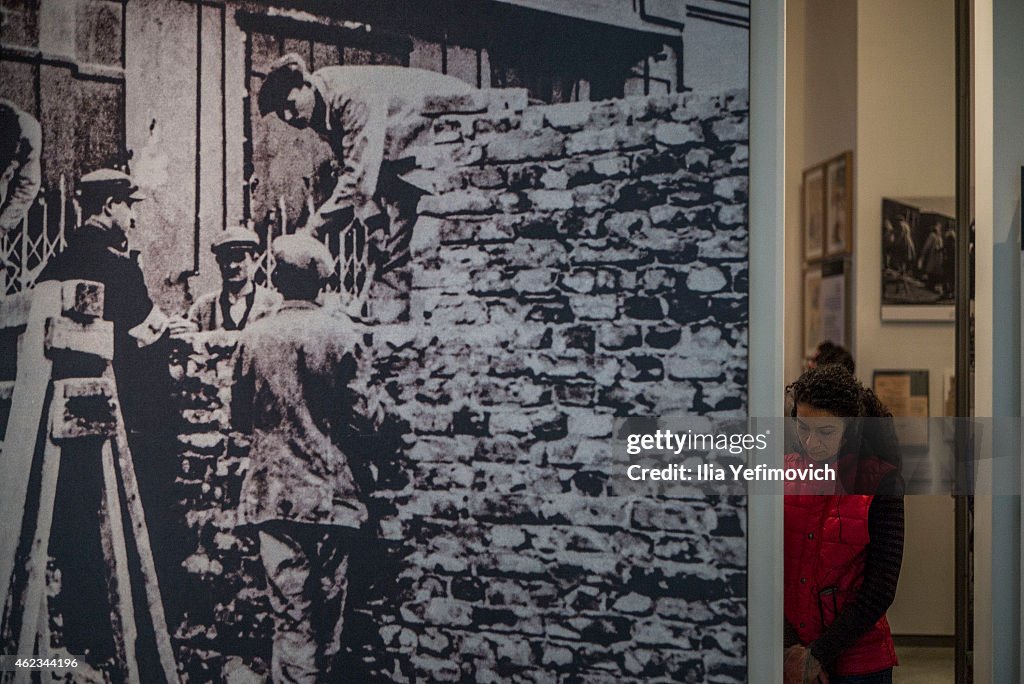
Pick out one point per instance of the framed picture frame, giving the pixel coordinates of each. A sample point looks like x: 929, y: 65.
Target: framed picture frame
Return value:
x: 812, y: 327
x: 814, y: 213
x: 919, y: 238
x: 839, y: 205
x: 835, y: 310
x: 905, y: 393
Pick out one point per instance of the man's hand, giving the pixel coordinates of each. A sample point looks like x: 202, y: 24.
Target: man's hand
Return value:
x: 178, y: 326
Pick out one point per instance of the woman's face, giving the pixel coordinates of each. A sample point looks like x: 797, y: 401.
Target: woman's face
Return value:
x: 820, y: 432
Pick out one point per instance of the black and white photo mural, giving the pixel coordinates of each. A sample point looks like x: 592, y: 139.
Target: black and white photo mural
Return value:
x: 317, y: 321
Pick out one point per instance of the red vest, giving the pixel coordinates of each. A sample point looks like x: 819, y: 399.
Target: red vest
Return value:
x: 825, y: 547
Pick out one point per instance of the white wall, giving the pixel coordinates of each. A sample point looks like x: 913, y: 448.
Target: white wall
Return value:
x: 905, y: 148
x: 821, y: 122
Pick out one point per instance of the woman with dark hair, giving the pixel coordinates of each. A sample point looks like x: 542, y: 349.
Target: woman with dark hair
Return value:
x: 844, y: 543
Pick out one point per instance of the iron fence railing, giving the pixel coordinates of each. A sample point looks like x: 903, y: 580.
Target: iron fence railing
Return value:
x: 43, y: 231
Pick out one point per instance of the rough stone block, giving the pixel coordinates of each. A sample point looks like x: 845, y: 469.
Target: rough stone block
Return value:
x: 526, y: 145
x: 615, y: 166
x: 470, y: 201
x: 698, y: 160
x: 581, y: 280
x: 591, y: 141
x: 551, y: 200
x: 731, y: 188
x: 707, y: 279
x: 617, y: 336
x: 595, y: 307
x: 534, y: 280
x: 732, y: 129
x: 593, y: 198
x: 462, y: 103
x: 82, y: 299
x: 95, y: 337
x: 676, y: 134
x: 584, y: 424
x: 570, y: 116
x: 508, y: 100
x: 445, y: 156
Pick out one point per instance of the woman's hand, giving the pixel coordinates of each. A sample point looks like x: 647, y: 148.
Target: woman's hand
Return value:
x: 799, y: 666
x: 793, y: 665
x: 813, y: 672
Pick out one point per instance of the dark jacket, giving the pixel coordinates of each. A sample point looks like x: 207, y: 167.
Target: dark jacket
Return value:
x: 295, y: 391
x: 140, y: 364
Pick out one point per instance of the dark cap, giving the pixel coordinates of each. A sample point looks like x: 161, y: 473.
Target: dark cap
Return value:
x: 287, y: 72
x: 110, y: 183
x: 236, y: 236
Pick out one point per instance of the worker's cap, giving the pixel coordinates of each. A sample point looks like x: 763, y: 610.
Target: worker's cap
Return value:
x: 303, y: 253
x: 236, y: 236
x: 110, y: 183
x: 287, y: 72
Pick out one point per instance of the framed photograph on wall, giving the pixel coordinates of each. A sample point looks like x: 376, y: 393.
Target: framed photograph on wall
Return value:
x: 814, y: 213
x: 812, y: 310
x: 839, y: 205
x: 918, y: 259
x: 834, y: 310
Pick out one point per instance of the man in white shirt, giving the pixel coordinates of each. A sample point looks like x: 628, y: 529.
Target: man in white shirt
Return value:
x: 20, y: 145
x: 369, y: 115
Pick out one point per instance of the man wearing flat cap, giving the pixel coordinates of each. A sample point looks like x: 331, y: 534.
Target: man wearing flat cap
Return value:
x: 239, y: 301
x: 98, y: 250
x: 298, y: 392
x: 368, y: 115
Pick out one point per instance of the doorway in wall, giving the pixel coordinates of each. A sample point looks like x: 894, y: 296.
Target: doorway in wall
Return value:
x: 878, y: 115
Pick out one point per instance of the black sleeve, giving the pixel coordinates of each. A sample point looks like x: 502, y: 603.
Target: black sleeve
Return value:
x: 130, y: 299
x: 789, y: 635
x: 876, y: 593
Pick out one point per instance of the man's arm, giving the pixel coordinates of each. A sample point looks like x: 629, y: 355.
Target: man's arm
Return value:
x: 363, y: 119
x: 25, y: 185
x: 243, y: 390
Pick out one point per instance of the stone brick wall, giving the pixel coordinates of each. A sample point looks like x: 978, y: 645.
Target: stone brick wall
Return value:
x: 576, y: 262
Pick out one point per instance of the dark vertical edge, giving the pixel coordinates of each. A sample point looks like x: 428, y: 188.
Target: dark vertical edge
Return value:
x: 247, y: 161
x: 479, y: 67
x: 963, y: 545
x: 444, y: 52
x: 223, y: 115
x: 123, y: 95
x: 199, y: 131
x: 681, y: 63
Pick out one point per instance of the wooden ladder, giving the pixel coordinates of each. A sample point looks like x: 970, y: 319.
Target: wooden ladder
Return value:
x: 45, y: 415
